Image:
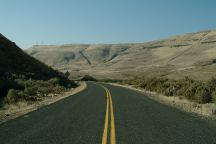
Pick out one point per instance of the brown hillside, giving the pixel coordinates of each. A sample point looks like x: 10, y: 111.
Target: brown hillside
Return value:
x: 191, y: 55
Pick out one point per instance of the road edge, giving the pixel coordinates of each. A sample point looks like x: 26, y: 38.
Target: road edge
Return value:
x: 202, y: 110
x: 8, y: 114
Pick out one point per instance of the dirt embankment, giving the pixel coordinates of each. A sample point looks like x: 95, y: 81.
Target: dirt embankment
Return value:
x: 21, y: 108
x: 204, y: 110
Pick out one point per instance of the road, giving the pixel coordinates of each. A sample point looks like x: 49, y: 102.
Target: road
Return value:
x: 105, y: 114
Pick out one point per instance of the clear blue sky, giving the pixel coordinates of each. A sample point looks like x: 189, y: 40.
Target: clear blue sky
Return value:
x: 29, y: 22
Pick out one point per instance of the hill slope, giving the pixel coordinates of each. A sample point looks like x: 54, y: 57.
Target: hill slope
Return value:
x: 14, y: 61
x: 24, y: 75
x: 191, y: 54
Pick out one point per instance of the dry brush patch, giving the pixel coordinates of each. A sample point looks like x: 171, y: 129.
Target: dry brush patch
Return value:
x: 207, y: 110
x: 198, y: 91
x: 18, y: 89
x: 189, y: 95
x: 19, y: 108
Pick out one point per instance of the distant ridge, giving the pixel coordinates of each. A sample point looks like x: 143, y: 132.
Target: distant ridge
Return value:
x: 191, y: 54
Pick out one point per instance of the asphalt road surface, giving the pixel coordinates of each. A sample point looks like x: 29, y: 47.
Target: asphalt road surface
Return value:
x: 105, y: 114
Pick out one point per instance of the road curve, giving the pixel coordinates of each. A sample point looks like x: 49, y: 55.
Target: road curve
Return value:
x: 105, y: 114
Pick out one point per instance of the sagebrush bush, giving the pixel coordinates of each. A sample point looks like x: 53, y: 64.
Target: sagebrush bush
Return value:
x: 14, y: 88
x: 201, y: 92
x: 189, y: 91
x: 43, y: 91
x: 31, y: 90
x: 12, y: 97
x: 212, y: 84
x: 214, y: 96
x: 6, y: 84
x: 169, y: 91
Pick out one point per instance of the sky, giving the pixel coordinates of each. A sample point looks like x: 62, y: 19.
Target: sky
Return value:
x: 40, y: 22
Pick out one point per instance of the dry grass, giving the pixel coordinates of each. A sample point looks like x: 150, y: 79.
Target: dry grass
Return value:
x: 175, y: 57
x: 211, y: 53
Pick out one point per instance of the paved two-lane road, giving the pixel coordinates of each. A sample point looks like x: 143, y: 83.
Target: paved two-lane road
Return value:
x: 107, y: 114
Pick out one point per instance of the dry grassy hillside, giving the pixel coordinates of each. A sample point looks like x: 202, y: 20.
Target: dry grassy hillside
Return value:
x: 23, y: 78
x: 191, y: 55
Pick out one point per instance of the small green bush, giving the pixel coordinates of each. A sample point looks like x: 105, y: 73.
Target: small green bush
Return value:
x: 214, y: 96
x: 212, y: 84
x: 7, y: 84
x: 31, y: 91
x: 88, y: 78
x: 54, y: 81
x: 12, y: 97
x: 189, y: 91
x: 169, y: 91
x: 203, y: 94
x: 43, y: 91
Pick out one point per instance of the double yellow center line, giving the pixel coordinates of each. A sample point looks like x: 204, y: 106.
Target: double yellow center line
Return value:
x: 109, y: 107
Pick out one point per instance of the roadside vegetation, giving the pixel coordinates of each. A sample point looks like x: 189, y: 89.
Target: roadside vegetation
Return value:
x: 88, y: 78
x: 19, y: 88
x: 23, y: 78
x: 111, y: 80
x: 198, y: 91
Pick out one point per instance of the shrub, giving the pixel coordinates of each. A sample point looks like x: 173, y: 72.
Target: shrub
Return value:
x: 67, y: 74
x: 12, y: 97
x: 44, y: 91
x: 214, y: 96
x: 88, y: 78
x: 59, y: 89
x: 212, y: 84
x: 7, y: 84
x: 28, y: 86
x: 54, y: 81
x: 169, y: 91
x: 189, y: 91
x: 20, y: 82
x: 203, y: 94
x: 22, y: 95
x: 31, y: 91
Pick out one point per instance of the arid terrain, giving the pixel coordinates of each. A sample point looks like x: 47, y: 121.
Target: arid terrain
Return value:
x: 192, y: 55
x: 108, y: 72
x: 23, y: 78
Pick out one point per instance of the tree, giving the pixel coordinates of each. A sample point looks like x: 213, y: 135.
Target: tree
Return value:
x: 67, y: 74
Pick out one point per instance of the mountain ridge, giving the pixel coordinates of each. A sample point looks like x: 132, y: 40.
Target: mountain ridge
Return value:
x: 167, y: 57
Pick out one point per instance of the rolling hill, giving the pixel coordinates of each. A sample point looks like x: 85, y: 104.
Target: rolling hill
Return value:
x: 192, y: 54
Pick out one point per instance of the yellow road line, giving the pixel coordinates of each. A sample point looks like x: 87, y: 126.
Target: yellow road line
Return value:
x: 113, y: 136
x: 112, y: 128
x: 104, y: 138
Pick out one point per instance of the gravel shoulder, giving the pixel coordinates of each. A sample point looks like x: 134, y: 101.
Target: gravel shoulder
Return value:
x: 203, y: 110
x: 22, y: 108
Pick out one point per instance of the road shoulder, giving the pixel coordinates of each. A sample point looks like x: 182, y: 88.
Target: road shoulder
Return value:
x: 203, y: 110
x: 22, y: 108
